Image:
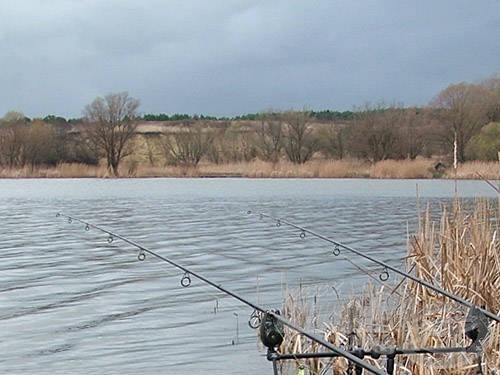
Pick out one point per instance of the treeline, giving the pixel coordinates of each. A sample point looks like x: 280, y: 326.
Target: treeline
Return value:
x: 25, y: 142
x: 177, y: 117
x: 325, y: 115
x: 463, y: 118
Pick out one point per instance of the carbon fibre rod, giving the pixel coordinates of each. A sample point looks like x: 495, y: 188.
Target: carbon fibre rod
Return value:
x: 433, y: 287
x: 256, y: 307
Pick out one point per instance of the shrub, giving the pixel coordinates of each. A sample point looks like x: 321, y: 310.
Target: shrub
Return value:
x: 485, y: 145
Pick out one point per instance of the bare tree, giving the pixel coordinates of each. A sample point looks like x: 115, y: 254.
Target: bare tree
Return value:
x: 235, y: 142
x: 300, y: 143
x: 246, y: 145
x: 40, y: 145
x: 215, y: 152
x: 112, y: 124
x: 411, y: 137
x: 270, y: 137
x: 492, y: 85
x: 12, y: 145
x: 13, y: 135
x: 462, y: 110
x: 187, y: 146
x: 375, y: 135
x: 25, y: 142
x: 331, y: 140
x: 14, y: 117
x: 150, y: 148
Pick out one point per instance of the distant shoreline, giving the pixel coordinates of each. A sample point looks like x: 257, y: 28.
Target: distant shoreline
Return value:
x: 387, y: 169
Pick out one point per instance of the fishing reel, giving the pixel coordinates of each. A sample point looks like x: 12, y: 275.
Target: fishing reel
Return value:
x: 271, y: 330
x: 475, y: 328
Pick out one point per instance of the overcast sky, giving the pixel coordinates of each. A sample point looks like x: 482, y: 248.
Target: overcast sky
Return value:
x: 225, y: 58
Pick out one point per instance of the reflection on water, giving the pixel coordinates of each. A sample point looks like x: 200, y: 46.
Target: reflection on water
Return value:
x: 70, y: 302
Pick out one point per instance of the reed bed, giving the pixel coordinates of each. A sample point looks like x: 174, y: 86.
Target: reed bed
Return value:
x: 284, y: 169
x: 316, y: 168
x: 472, y: 169
x: 73, y: 170
x: 460, y: 252
x: 418, y: 168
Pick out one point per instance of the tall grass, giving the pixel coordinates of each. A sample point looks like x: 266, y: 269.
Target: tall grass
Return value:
x: 459, y: 252
x: 418, y: 168
x: 285, y: 169
x: 490, y: 170
x: 73, y: 170
x: 316, y: 168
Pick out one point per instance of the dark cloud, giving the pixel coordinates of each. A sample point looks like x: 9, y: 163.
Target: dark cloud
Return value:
x: 232, y: 57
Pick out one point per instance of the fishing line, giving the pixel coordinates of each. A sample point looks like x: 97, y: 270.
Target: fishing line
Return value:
x: 255, y: 319
x: 384, y: 275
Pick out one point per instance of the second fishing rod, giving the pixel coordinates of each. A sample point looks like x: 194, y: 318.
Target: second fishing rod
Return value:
x: 385, y: 275
x: 269, y: 334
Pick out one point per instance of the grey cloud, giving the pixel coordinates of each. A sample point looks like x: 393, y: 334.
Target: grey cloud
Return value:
x: 230, y: 57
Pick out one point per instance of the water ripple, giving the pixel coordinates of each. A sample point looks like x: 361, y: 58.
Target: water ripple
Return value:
x: 70, y: 300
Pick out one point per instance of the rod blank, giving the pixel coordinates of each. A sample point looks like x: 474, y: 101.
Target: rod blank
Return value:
x: 383, y: 264
x: 256, y: 307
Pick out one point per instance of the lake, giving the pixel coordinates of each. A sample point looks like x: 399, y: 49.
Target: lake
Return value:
x: 70, y: 302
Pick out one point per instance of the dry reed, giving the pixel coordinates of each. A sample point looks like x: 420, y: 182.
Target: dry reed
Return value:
x: 459, y: 253
x: 285, y: 169
x: 74, y: 170
x: 418, y: 168
x: 317, y: 168
x: 470, y: 170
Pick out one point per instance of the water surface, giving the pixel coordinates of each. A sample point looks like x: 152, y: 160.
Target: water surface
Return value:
x: 70, y: 302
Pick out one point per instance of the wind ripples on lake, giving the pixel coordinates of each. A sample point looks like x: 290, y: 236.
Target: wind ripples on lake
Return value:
x: 70, y: 302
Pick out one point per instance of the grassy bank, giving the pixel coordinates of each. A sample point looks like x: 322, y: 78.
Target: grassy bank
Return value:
x: 419, y: 168
x: 458, y: 251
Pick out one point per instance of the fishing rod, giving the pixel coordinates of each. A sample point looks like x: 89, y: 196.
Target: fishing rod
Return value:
x: 271, y: 332
x: 385, y: 274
